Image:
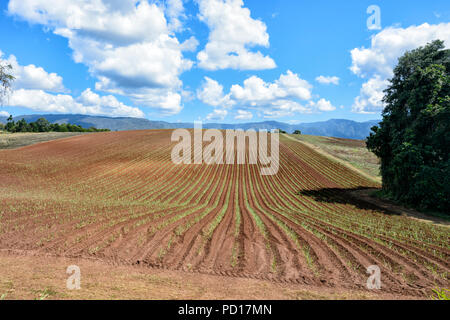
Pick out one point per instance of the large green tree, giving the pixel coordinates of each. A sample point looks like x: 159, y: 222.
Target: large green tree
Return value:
x: 413, y: 139
x: 6, y: 79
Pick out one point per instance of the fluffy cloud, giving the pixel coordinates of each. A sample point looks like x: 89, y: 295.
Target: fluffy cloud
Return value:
x: 4, y: 114
x: 166, y: 101
x: 32, y: 77
x: 388, y: 45
x: 286, y: 96
x: 284, y: 108
x: 371, y: 95
x: 323, y: 105
x: 328, y: 80
x: 34, y: 89
x: 175, y: 11
x: 211, y: 93
x: 377, y: 62
x: 128, y: 45
x: 190, y: 44
x: 152, y: 64
x: 256, y: 91
x: 217, y: 114
x: 243, y: 115
x: 106, y: 21
x: 232, y: 32
x: 88, y: 103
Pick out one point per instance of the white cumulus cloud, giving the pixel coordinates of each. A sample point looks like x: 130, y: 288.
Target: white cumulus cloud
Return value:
x: 284, y: 108
x: 243, y: 115
x: 129, y: 46
x: 217, y: 114
x: 286, y: 96
x: 376, y: 63
x: 211, y: 93
x: 35, y: 88
x: 323, y: 105
x: 371, y: 96
x: 190, y: 44
x: 175, y: 12
x: 32, y: 77
x: 328, y: 80
x: 88, y: 103
x: 233, y: 32
x: 256, y: 91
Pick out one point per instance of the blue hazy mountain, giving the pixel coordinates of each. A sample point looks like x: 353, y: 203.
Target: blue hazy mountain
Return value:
x: 339, y: 128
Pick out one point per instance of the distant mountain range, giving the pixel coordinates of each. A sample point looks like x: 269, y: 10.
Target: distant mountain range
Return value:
x: 338, y: 128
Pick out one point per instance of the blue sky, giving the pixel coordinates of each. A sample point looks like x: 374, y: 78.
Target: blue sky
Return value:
x: 211, y: 60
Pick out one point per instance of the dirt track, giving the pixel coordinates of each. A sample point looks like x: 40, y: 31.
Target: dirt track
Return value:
x: 119, y: 198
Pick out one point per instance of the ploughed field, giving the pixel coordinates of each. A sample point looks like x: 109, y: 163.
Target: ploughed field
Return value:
x: 118, y: 197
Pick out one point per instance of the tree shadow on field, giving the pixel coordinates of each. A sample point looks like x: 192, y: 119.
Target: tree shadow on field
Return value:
x: 362, y: 198
x: 357, y: 197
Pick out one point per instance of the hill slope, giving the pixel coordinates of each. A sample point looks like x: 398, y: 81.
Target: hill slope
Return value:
x: 118, y: 197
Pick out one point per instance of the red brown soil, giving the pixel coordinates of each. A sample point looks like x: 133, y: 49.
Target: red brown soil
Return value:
x: 31, y: 277
x: 118, y: 198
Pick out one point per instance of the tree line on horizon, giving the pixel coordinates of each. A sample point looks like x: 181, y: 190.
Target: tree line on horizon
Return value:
x: 43, y: 125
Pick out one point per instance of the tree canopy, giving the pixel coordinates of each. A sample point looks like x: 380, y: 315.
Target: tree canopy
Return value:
x: 43, y: 125
x: 413, y: 139
x: 6, y: 79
